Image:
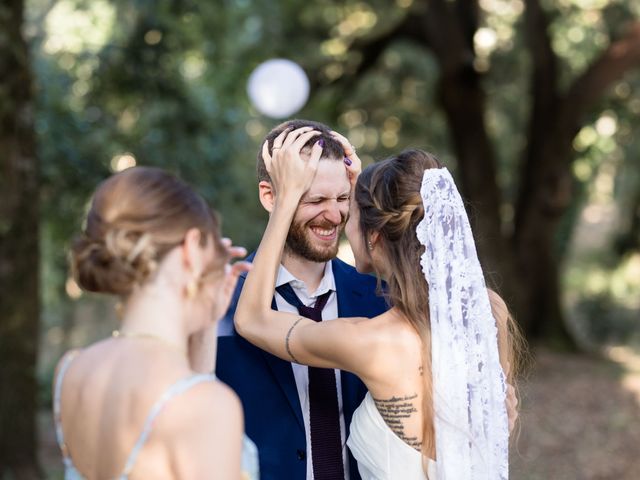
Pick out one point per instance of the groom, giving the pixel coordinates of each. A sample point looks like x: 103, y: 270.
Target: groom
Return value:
x: 275, y: 393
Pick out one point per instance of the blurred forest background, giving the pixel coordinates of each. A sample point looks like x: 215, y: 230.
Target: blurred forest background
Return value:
x: 533, y: 104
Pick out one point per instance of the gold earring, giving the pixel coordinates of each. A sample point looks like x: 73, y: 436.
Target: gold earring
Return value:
x: 192, y: 289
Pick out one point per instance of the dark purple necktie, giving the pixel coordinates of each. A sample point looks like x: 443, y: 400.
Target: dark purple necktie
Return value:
x: 324, y: 415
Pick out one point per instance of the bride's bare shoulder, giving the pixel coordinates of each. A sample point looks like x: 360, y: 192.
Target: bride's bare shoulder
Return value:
x: 392, y: 328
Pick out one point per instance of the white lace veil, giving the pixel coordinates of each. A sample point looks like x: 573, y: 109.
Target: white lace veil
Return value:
x: 469, y: 390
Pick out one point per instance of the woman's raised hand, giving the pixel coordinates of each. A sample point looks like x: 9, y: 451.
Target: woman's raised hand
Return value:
x: 351, y: 160
x: 289, y: 169
x: 232, y: 272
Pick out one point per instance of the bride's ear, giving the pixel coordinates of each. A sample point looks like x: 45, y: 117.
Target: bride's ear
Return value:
x: 373, y: 239
x: 267, y: 195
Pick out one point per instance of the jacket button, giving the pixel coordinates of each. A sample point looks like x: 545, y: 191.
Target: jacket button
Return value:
x: 301, y: 454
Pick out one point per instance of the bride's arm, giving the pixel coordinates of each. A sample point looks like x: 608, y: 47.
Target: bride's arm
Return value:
x: 327, y: 344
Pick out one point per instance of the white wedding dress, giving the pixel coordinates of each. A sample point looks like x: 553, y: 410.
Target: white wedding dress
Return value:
x: 380, y: 453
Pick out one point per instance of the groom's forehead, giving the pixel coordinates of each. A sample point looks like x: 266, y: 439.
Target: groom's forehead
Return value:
x: 331, y: 178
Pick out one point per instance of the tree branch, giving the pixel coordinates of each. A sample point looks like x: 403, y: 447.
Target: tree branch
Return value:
x: 372, y: 48
x: 620, y: 57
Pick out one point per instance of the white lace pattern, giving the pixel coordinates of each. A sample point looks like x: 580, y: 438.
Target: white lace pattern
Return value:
x: 471, y: 425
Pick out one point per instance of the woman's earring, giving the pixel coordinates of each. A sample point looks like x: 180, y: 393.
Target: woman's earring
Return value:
x: 369, y: 245
x: 192, y: 289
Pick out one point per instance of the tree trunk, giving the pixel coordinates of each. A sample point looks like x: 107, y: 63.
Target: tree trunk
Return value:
x: 19, y: 253
x: 449, y: 32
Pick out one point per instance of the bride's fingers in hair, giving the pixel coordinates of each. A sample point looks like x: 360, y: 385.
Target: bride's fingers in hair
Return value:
x: 354, y: 167
x: 265, y: 155
x: 314, y: 158
x: 277, y: 142
x: 352, y: 162
x: 349, y: 149
x: 303, y: 139
x: 275, y: 147
x: 291, y: 168
x: 293, y: 135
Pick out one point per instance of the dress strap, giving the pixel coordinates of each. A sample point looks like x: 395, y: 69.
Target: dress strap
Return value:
x: 176, y: 389
x: 64, y: 365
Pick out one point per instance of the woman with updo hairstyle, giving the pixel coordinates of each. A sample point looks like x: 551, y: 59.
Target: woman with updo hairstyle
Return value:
x: 143, y: 404
x: 440, y: 364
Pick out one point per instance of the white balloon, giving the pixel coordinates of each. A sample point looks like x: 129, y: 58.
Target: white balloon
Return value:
x: 278, y: 88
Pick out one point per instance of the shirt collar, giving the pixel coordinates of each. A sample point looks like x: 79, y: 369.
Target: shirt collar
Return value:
x: 328, y: 282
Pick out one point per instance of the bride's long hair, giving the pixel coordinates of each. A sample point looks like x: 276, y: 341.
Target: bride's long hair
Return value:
x: 388, y: 197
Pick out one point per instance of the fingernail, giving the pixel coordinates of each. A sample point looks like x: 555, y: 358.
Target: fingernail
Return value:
x: 321, y: 143
x: 347, y: 161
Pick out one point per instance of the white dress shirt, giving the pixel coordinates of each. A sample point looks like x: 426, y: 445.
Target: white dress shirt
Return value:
x: 301, y: 372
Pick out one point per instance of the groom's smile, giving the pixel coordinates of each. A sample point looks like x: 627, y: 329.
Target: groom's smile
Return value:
x: 326, y: 234
x: 322, y: 214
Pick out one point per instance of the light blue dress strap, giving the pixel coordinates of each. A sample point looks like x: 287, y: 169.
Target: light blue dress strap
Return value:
x: 176, y: 389
x: 66, y: 361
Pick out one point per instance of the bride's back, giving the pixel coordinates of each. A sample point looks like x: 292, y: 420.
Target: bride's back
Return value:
x: 395, y: 379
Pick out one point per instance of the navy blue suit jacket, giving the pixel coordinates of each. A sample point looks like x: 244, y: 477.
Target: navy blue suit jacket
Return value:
x: 267, y: 388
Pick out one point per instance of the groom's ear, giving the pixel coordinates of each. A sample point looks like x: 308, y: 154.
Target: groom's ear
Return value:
x: 267, y: 195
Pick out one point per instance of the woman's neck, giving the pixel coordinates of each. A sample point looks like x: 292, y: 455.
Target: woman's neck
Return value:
x: 158, y: 314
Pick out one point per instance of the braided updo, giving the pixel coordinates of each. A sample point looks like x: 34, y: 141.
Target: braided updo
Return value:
x: 137, y: 216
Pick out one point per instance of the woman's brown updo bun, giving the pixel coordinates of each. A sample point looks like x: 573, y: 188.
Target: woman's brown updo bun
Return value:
x: 136, y: 217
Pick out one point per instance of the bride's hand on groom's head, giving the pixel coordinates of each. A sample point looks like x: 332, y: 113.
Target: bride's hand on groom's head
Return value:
x: 351, y: 160
x: 289, y: 170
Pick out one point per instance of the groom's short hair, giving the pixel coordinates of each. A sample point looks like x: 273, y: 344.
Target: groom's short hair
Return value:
x: 332, y: 149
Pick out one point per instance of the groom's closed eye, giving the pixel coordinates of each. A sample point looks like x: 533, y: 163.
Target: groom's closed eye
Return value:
x: 317, y: 200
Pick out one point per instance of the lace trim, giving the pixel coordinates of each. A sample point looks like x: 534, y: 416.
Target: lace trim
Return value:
x: 469, y: 385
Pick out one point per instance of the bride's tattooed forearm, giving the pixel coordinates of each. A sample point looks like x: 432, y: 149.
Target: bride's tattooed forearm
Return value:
x: 394, y: 411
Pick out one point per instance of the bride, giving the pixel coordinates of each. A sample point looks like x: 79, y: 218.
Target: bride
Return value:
x: 437, y: 364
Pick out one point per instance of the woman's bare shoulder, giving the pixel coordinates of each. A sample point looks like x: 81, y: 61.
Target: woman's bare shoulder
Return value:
x: 207, y: 403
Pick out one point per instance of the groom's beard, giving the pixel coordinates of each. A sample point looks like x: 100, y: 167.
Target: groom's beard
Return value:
x: 301, y: 241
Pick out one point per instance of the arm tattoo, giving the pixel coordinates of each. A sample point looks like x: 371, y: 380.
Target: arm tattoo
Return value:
x: 286, y: 340
x: 394, y: 411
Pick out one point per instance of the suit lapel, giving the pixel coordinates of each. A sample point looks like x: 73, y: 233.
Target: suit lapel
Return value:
x: 348, y: 293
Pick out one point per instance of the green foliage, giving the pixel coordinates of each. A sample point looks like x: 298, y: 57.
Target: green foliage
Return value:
x: 165, y: 82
